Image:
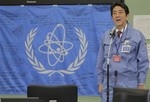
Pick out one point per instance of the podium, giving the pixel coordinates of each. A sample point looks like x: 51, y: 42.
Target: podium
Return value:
x: 57, y: 93
x: 130, y: 95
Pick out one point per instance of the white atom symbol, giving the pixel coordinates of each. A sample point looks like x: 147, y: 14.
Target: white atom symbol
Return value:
x: 55, y: 48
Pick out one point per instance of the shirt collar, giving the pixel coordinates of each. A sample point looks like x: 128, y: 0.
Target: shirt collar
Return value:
x: 123, y: 29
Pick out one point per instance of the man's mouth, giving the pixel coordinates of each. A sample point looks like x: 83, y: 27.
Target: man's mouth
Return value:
x: 118, y: 20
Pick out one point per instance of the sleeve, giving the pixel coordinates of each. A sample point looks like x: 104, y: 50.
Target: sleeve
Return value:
x: 100, y: 61
x: 143, y: 61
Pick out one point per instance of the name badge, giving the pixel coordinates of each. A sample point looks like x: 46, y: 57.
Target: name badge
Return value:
x: 116, y: 58
x: 126, y: 48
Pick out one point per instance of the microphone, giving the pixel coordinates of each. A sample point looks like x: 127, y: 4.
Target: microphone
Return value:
x: 112, y: 32
x: 116, y: 74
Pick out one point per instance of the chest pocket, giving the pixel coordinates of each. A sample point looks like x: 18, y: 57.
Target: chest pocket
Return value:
x: 129, y: 50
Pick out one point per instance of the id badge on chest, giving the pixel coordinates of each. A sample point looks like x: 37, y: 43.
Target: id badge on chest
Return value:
x: 126, y: 48
x: 116, y: 58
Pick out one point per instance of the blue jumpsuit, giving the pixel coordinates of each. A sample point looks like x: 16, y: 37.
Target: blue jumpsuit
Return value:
x: 133, y: 66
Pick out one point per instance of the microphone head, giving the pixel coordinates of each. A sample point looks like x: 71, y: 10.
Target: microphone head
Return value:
x: 116, y: 73
x: 113, y: 29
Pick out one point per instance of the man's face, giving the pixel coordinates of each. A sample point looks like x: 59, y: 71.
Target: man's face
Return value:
x: 119, y: 17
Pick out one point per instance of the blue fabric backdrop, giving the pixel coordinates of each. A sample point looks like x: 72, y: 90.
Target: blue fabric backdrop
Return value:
x: 51, y: 45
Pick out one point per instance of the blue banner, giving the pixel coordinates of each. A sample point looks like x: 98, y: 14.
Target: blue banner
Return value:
x: 51, y: 45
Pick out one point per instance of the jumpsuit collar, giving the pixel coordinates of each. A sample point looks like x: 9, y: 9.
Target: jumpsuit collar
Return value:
x: 125, y: 34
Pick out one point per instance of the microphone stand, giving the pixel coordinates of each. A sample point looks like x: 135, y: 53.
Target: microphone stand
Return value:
x: 112, y: 36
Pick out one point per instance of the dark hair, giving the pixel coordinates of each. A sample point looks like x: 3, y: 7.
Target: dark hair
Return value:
x: 122, y: 5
